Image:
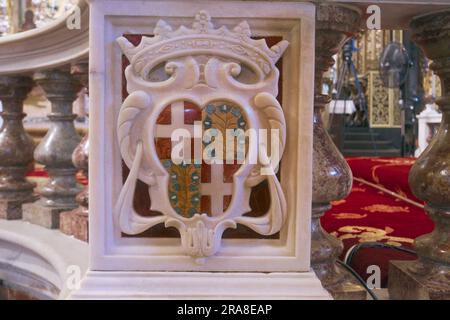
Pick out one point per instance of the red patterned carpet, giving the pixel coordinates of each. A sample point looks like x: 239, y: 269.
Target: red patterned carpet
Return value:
x: 392, y: 216
x: 41, y: 173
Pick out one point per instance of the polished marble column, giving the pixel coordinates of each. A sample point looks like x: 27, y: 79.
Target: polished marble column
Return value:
x: 56, y: 148
x: 332, y: 178
x: 16, y: 148
x: 75, y: 222
x: 429, y: 179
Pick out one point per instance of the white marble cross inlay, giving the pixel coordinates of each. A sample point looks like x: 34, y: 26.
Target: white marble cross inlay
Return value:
x: 177, y: 122
x: 216, y: 189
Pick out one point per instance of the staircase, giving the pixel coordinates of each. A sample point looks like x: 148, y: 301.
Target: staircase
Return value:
x: 359, y: 141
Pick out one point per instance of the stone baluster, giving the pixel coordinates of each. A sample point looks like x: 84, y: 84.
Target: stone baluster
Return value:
x: 75, y: 222
x: 16, y: 148
x: 332, y: 178
x: 429, y: 179
x: 55, y: 150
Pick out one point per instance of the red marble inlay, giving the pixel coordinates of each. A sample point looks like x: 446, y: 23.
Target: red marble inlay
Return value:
x: 135, y: 39
x: 205, y: 204
x: 228, y: 171
x: 163, y: 148
x: 206, y: 173
x: 165, y: 117
x: 226, y: 202
x: 192, y: 113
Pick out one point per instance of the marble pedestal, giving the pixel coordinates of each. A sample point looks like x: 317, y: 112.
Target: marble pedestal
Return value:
x: 339, y: 282
x: 11, y: 210
x: 200, y: 264
x: 38, y: 213
x: 75, y: 223
x: 406, y: 284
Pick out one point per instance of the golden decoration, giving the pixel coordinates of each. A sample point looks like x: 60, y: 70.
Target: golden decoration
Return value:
x: 345, y: 215
x: 338, y: 202
x: 399, y: 191
x: 371, y: 234
x: 385, y: 208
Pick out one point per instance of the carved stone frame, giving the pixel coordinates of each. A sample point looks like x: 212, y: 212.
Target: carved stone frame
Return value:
x: 109, y: 251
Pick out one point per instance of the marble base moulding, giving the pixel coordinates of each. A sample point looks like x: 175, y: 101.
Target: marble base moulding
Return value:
x: 209, y: 54
x: 199, y: 286
x: 40, y: 260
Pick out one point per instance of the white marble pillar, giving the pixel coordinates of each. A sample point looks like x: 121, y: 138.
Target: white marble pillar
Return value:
x: 216, y: 43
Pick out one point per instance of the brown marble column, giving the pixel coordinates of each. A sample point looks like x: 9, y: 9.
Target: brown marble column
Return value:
x: 332, y: 178
x: 56, y: 148
x: 75, y: 222
x: 429, y: 178
x: 16, y: 148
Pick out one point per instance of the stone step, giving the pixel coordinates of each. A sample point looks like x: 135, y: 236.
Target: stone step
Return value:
x: 362, y: 136
x: 368, y: 144
x: 357, y: 129
x: 371, y: 152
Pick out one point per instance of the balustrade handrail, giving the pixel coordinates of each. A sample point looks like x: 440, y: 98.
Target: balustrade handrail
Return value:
x: 50, y: 46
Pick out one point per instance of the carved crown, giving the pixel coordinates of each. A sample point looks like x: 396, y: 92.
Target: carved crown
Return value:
x: 204, y: 39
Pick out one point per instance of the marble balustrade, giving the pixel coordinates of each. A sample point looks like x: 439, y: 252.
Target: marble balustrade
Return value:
x: 60, y: 151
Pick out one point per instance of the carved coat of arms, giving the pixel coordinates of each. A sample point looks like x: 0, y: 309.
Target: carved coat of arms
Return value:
x: 191, y: 126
